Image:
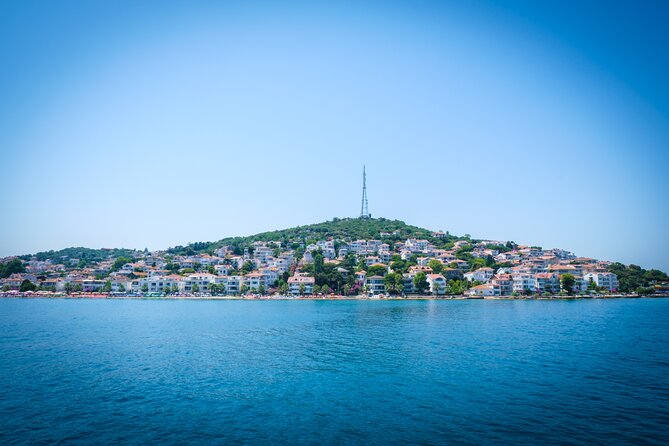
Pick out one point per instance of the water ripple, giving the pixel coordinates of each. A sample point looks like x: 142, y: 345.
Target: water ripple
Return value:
x: 304, y: 372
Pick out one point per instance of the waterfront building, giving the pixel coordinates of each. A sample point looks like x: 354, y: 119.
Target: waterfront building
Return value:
x: 301, y: 284
x: 547, y: 282
x: 376, y: 285
x: 437, y: 284
x: 481, y: 275
x: 606, y: 280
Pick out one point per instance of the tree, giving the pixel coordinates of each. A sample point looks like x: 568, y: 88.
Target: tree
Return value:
x: 121, y: 288
x: 107, y: 287
x: 195, y: 288
x: 436, y: 265
x: 11, y: 267
x: 261, y: 289
x: 376, y: 270
x: 394, y: 283
x: 27, y: 285
x: 302, y: 289
x: 477, y: 263
x: 173, y: 267
x: 120, y: 261
x: 247, y: 267
x: 362, y: 265
x: 319, y: 261
x: 456, y: 286
x: 420, y: 282
x: 175, y: 288
x: 654, y: 275
x: 145, y: 288
x: 568, y: 281
x: 632, y: 277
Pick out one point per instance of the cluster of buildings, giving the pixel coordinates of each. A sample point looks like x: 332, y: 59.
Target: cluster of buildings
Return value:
x: 270, y: 267
x: 527, y: 279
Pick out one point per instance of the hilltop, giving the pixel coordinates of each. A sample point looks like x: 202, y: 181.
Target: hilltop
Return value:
x: 347, y: 229
x: 337, y: 228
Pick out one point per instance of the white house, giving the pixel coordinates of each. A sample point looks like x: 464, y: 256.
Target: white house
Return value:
x: 222, y: 270
x: 202, y: 280
x: 261, y: 253
x: 156, y: 284
x: 358, y: 246
x: 271, y: 274
x: 376, y: 285
x: 232, y: 284
x: 253, y: 281
x: 605, y: 280
x: 523, y: 282
x: 481, y: 275
x: 547, y: 282
x: 437, y: 283
x: 503, y: 283
x: 282, y: 264
x: 407, y: 282
x: 482, y: 291
x: 301, y: 284
x: 121, y: 284
x: 361, y: 277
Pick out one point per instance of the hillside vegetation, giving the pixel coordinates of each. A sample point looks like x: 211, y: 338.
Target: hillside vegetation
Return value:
x: 634, y: 278
x: 342, y: 229
x: 84, y: 256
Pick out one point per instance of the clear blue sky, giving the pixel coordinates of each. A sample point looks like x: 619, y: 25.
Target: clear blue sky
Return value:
x: 161, y: 123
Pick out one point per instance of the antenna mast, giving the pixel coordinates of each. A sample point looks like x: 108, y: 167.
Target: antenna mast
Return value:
x: 364, y: 210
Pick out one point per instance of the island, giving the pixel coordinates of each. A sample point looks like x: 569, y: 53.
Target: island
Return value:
x: 343, y: 258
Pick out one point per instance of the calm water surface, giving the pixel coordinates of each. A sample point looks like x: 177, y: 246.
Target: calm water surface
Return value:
x: 310, y: 372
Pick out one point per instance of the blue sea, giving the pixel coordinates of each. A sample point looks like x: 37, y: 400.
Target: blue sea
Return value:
x: 334, y: 372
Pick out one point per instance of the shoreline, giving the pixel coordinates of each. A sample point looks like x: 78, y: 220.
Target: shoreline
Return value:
x: 315, y: 298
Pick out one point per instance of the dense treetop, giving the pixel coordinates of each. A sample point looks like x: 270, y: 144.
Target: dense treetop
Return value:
x: 634, y: 278
x: 84, y: 255
x: 11, y: 267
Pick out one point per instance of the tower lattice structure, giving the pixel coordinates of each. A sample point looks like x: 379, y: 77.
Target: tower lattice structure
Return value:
x: 364, y: 207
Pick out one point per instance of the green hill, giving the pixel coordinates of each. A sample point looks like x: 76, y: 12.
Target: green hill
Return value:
x: 338, y: 228
x: 389, y: 231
